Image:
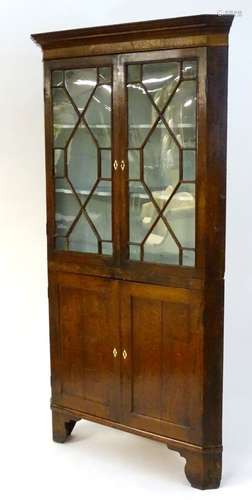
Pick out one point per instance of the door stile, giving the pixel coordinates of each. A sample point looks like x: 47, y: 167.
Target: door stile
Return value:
x: 126, y: 341
x: 120, y: 145
x: 116, y: 154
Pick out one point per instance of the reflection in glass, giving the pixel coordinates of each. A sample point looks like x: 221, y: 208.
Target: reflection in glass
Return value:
x: 82, y: 162
x: 107, y: 248
x: 106, y: 163
x: 180, y: 213
x: 64, y: 117
x: 181, y: 114
x: 82, y: 126
x: 189, y: 258
x: 140, y: 219
x: 134, y: 252
x: 141, y: 114
x: 80, y: 84
x: 82, y: 238
x: 161, y: 164
x: 99, y: 209
x: 59, y: 163
x: 160, y: 79
x: 160, y: 246
x: 67, y: 206
x: 189, y: 166
x: 134, y: 163
x: 98, y: 115
x: 104, y: 75
x: 57, y: 78
x: 189, y: 69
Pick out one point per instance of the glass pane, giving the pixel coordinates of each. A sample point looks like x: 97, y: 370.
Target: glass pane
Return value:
x: 82, y: 162
x: 80, y: 84
x: 78, y: 140
x: 135, y: 252
x: 82, y: 238
x: 61, y: 243
x: 189, y: 165
x: 98, y: 115
x: 189, y: 258
x: 181, y: 114
x: 134, y: 163
x: 104, y: 75
x: 59, y: 164
x: 67, y: 206
x: 160, y: 246
x: 180, y: 214
x: 142, y: 212
x: 160, y: 79
x: 99, y: 209
x: 141, y: 114
x: 134, y: 73
x: 107, y: 248
x: 189, y: 69
x: 161, y: 164
x: 106, y: 162
x: 162, y: 161
x: 57, y: 78
x: 64, y: 117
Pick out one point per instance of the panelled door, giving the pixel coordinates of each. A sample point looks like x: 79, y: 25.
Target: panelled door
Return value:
x: 161, y: 330
x: 85, y: 344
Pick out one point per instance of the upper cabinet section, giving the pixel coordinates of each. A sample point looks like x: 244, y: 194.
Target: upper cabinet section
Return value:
x: 193, y: 31
x: 135, y: 120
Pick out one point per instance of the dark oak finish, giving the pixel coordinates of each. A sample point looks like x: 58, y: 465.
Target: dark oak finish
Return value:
x: 162, y: 334
x: 62, y: 425
x: 203, y: 467
x: 136, y: 345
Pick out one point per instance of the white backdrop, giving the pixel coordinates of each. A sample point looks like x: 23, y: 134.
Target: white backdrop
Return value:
x: 100, y: 461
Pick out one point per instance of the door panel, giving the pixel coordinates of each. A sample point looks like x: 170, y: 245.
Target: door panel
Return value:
x: 162, y: 335
x: 164, y: 144
x: 80, y: 147
x: 86, y: 334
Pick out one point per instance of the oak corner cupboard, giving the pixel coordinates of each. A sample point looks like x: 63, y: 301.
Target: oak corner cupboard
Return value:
x: 135, y: 118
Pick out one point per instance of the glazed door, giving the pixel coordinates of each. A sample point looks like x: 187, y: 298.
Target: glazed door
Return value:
x: 163, y: 141
x: 82, y: 188
x: 162, y: 359
x: 85, y: 343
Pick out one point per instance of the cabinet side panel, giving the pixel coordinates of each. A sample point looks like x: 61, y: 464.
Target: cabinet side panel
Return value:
x: 217, y: 72
x: 217, y: 66
x: 213, y: 363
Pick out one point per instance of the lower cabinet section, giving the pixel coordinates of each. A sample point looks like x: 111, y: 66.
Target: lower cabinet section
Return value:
x: 128, y: 352
x: 131, y: 356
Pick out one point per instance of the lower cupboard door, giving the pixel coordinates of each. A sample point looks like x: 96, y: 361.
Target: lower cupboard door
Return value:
x: 84, y: 314
x: 162, y: 360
